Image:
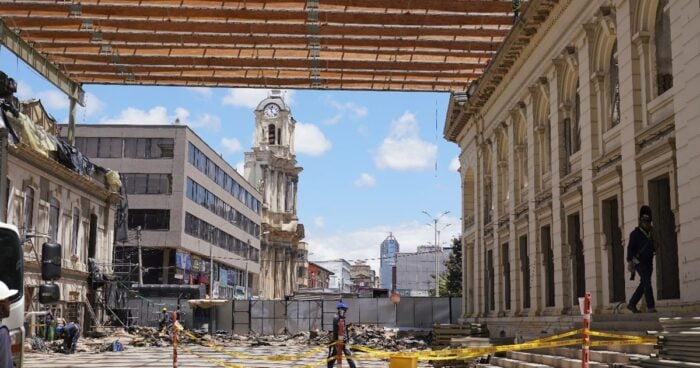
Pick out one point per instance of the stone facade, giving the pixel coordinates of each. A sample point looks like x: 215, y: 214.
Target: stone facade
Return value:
x: 49, y: 202
x: 586, y: 113
x: 272, y: 168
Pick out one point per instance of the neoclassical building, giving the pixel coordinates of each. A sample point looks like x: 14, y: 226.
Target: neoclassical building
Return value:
x: 589, y: 110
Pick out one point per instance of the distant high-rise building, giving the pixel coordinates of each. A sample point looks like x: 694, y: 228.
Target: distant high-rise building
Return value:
x: 389, y: 248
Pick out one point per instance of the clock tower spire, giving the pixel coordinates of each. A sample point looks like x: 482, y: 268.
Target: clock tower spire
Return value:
x: 271, y: 166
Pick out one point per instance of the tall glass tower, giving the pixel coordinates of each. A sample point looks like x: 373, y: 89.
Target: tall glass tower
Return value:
x: 389, y: 249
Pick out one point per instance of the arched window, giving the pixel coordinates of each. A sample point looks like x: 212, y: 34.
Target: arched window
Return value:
x: 576, y: 129
x: 28, y: 209
x: 614, y: 89
x: 271, y: 134
x: 74, y: 234
x: 662, y: 38
x: 54, y: 211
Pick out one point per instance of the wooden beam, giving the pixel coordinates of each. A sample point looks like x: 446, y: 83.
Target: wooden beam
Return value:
x: 231, y: 62
x: 152, y: 11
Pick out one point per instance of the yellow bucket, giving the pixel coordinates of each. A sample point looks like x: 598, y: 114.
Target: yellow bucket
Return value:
x: 403, y: 362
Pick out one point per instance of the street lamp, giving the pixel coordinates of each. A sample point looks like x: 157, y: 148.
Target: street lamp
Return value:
x: 435, y: 223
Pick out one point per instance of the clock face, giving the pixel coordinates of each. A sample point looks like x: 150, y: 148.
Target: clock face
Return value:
x: 271, y: 110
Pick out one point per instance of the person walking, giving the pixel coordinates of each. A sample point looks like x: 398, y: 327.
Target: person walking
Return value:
x: 640, y: 259
x: 5, y: 341
x: 340, y: 331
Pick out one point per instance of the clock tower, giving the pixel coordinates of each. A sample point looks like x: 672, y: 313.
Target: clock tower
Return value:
x: 272, y: 168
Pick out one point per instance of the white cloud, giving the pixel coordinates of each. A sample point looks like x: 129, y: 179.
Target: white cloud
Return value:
x: 319, y: 222
x: 365, y: 180
x: 309, y: 139
x: 160, y: 115
x: 354, y: 109
x: 334, y: 120
x: 454, y: 164
x: 93, y: 105
x: 364, y: 244
x: 208, y: 121
x: 251, y: 97
x: 53, y: 100
x: 403, y: 149
x: 24, y: 91
x: 240, y: 167
x: 204, y: 92
x: 156, y: 115
x: 232, y: 145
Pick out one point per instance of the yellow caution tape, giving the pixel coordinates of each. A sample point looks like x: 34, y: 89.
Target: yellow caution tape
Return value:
x: 212, y: 360
x: 258, y: 357
x: 558, y: 340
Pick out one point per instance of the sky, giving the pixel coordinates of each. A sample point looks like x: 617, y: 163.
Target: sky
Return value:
x: 372, y: 161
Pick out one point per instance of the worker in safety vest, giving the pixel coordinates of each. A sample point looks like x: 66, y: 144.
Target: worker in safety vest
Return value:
x: 340, y: 337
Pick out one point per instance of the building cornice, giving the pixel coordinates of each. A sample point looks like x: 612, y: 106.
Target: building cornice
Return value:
x: 30, y: 156
x: 535, y: 14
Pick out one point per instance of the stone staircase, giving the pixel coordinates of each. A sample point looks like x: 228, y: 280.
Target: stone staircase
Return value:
x: 614, y: 356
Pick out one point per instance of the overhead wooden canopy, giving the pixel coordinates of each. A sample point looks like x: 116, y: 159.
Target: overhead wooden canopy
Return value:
x: 404, y: 45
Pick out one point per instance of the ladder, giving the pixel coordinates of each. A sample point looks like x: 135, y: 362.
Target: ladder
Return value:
x: 88, y: 307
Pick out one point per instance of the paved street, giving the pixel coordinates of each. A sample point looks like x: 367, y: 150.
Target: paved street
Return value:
x: 162, y: 357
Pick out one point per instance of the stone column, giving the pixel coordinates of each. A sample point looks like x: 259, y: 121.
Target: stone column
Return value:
x: 532, y: 217
x: 685, y: 44
x: 556, y: 106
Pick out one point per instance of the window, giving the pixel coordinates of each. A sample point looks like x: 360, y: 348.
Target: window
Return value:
x: 148, y: 148
x: 149, y: 219
x: 54, y: 212
x: 662, y: 38
x: 614, y: 90
x: 271, y: 134
x: 74, y: 234
x: 148, y: 183
x: 108, y: 147
x: 28, y: 209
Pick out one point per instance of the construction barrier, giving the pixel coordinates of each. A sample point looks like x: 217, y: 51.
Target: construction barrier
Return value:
x: 569, y: 338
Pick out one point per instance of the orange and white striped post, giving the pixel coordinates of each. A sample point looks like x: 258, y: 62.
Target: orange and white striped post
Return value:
x: 586, y: 336
x: 339, y: 344
x: 176, y: 338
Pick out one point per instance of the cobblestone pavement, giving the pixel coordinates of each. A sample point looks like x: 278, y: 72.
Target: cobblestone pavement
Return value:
x: 162, y: 357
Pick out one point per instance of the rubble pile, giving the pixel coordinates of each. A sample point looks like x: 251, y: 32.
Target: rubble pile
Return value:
x: 379, y: 338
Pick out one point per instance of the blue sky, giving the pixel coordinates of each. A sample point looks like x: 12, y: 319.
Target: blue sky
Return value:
x: 368, y: 157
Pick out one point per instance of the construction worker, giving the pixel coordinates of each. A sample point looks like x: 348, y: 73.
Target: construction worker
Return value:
x: 338, y: 324
x: 164, y: 321
x: 70, y: 333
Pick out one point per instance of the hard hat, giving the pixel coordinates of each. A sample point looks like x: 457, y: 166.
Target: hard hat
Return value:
x: 59, y: 328
x: 165, y: 309
x: 342, y: 305
x: 6, y: 292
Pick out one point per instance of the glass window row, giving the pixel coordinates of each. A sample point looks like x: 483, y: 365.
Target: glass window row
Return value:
x: 199, y: 160
x: 201, y: 229
x: 116, y: 147
x: 147, y: 183
x: 149, y: 219
x: 200, y: 195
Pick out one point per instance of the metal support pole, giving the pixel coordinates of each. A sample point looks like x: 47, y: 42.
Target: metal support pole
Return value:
x: 138, y: 244
x: 437, y: 274
x: 71, y: 121
x: 586, y: 338
x: 3, y: 174
x: 246, y: 279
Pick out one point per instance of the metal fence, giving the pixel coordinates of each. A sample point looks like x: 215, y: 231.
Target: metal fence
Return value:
x: 274, y: 317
